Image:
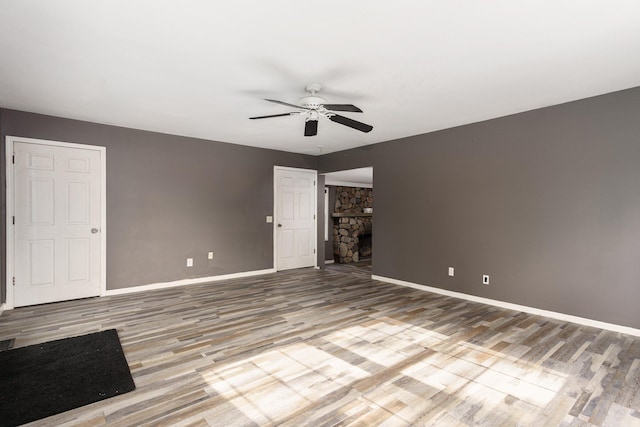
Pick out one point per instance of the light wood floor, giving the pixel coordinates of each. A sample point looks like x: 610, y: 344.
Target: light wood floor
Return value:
x: 325, y: 348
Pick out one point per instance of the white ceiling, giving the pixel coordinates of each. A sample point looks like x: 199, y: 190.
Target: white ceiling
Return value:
x: 201, y: 68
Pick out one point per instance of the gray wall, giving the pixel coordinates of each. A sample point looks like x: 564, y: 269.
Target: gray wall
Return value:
x: 170, y: 198
x: 546, y: 202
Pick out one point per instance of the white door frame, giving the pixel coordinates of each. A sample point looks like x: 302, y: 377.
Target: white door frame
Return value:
x: 275, y: 213
x: 9, y: 232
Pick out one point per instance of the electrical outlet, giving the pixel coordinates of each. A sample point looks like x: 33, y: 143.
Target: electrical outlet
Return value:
x: 210, y: 255
x: 189, y: 262
x: 451, y: 271
x: 485, y: 279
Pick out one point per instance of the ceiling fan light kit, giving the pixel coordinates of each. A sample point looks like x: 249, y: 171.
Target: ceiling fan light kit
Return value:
x: 314, y: 107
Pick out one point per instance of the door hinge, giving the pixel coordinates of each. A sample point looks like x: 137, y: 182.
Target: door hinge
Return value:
x: 14, y: 281
x: 314, y: 217
x: 314, y: 251
x: 13, y: 159
x: 13, y: 220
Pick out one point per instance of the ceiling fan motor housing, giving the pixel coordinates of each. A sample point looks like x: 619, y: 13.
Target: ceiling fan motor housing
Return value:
x: 312, y: 102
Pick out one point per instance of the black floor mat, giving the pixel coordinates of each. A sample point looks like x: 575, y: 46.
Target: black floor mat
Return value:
x: 45, y: 379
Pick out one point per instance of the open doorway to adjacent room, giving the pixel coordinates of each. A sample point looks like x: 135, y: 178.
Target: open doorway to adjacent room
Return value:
x: 349, y: 212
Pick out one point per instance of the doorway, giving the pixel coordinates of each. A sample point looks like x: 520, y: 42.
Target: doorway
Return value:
x: 349, y: 217
x: 56, y: 221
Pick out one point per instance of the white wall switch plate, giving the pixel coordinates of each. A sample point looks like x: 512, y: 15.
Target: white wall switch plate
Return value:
x: 485, y: 279
x: 189, y: 262
x: 269, y: 219
x: 210, y: 255
x: 451, y: 271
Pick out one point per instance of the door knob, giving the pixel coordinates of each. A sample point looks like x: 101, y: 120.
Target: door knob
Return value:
x: 94, y: 230
x: 279, y: 225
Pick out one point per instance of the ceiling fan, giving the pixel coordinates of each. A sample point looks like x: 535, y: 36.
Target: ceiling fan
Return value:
x: 313, y: 107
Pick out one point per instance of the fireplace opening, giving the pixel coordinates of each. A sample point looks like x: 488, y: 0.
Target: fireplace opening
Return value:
x: 364, y: 246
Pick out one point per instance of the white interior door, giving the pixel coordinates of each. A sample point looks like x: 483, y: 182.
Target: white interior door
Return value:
x: 295, y: 218
x: 57, y: 235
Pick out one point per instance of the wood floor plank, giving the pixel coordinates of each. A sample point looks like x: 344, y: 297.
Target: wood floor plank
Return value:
x: 333, y: 347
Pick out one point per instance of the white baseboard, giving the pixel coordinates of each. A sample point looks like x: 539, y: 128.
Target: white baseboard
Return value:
x: 185, y: 282
x: 2, y: 307
x: 328, y: 261
x: 531, y: 310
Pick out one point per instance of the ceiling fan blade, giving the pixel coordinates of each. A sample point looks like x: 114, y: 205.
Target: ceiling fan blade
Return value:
x: 274, y: 115
x: 284, y: 103
x: 342, y: 107
x: 311, y: 128
x: 351, y: 123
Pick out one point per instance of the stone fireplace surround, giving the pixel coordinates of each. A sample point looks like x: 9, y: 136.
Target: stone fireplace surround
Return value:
x: 351, y: 226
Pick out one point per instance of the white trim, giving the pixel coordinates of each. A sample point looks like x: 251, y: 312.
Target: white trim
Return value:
x: 10, y: 140
x: 185, y: 282
x: 329, y: 261
x: 531, y: 310
x: 103, y: 225
x: 275, y: 212
x: 275, y: 219
x: 8, y: 222
x: 348, y: 184
x: 2, y: 307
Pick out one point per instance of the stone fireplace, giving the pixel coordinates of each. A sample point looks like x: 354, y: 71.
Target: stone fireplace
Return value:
x: 352, y: 224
